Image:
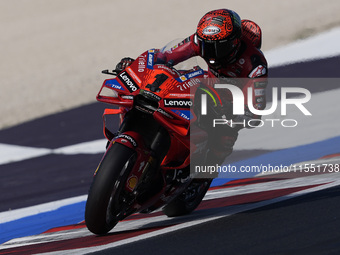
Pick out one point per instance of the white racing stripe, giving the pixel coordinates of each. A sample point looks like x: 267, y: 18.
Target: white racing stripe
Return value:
x: 211, y: 194
x: 92, y: 147
x: 37, y: 209
x: 12, y: 153
x: 190, y: 222
x: 163, y: 220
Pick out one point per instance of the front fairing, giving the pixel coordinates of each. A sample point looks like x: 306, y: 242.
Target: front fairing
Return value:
x: 155, y: 89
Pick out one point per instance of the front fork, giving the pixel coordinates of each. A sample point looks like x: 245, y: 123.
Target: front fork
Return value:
x: 151, y: 142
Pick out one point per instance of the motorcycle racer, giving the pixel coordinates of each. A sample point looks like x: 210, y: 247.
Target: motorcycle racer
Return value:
x: 231, y: 49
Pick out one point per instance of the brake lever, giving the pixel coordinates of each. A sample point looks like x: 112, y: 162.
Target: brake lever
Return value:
x: 114, y: 72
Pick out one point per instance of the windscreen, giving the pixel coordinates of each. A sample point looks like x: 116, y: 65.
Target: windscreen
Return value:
x: 184, y: 65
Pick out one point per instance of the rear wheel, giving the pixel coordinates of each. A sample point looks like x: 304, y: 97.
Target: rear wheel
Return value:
x: 107, y: 203
x: 188, y: 201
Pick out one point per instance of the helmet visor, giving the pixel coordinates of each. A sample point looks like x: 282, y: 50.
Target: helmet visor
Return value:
x: 217, y: 50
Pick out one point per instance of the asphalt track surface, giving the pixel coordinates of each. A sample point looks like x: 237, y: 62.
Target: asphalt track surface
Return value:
x: 304, y: 225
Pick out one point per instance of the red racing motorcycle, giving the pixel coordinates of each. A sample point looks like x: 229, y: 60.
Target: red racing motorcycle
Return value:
x: 146, y: 164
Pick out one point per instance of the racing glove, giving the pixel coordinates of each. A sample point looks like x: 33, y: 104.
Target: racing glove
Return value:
x: 124, y: 63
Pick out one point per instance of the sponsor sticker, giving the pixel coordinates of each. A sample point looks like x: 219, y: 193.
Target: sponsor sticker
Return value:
x: 211, y: 30
x: 188, y: 84
x: 190, y: 75
x: 127, y: 97
x: 177, y: 103
x: 185, y: 114
x: 183, y: 78
x: 260, y: 84
x: 141, y: 63
x: 150, y: 95
x: 129, y: 138
x: 260, y: 99
x: 181, y: 95
x: 258, y: 71
x: 150, y: 58
x: 164, y: 113
x: 259, y: 92
x: 134, y: 75
x: 114, y: 84
x: 129, y: 83
x: 195, y: 73
x: 132, y: 182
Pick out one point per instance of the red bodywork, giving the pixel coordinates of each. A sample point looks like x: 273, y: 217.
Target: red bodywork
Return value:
x: 173, y: 93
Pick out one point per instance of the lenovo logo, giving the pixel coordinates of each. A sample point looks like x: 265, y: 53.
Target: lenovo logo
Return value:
x: 128, y: 81
x: 178, y: 103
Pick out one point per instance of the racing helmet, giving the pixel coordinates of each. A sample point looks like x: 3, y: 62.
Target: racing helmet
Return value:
x: 218, y: 35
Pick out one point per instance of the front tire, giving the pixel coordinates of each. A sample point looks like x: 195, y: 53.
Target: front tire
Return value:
x: 103, y: 207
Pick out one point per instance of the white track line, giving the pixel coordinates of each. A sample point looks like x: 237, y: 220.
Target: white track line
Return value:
x: 224, y: 213
x: 164, y: 221
x: 36, y: 209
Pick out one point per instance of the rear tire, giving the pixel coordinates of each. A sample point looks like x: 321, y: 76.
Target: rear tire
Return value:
x: 103, y: 209
x: 188, y: 201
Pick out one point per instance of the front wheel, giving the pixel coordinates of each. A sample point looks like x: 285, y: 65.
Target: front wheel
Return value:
x: 188, y: 201
x: 106, y: 202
